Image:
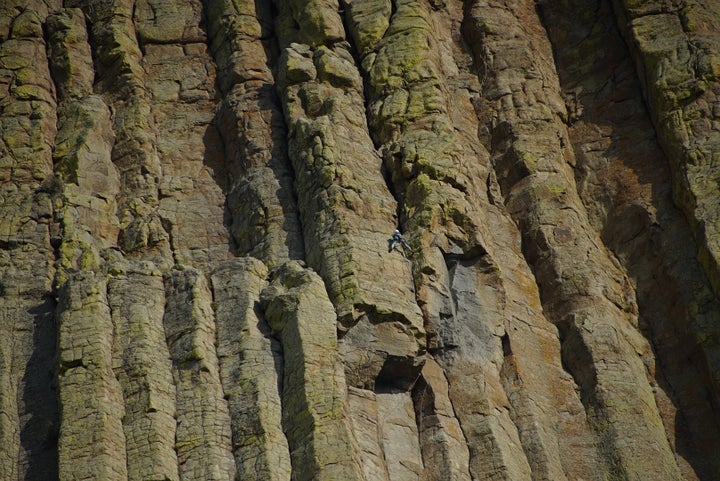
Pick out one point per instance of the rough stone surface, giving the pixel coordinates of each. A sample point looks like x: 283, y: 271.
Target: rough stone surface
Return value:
x: 346, y: 208
x: 29, y: 410
x: 251, y: 368
x: 678, y: 64
x: 591, y: 301
x: 91, y: 440
x: 314, y: 394
x: 196, y: 199
x: 141, y: 364
x: 203, y: 435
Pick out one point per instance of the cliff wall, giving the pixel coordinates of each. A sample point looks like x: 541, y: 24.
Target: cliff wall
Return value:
x: 196, y: 198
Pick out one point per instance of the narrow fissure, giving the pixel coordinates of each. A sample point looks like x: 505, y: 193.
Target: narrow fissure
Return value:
x: 377, y: 142
x: 433, y: 437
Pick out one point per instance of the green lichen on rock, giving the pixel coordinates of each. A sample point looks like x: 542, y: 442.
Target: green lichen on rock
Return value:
x: 188, y: 135
x: 251, y: 363
x: 317, y: 20
x: 84, y: 137
x: 368, y: 21
x: 27, y: 25
x: 298, y: 66
x: 335, y: 69
x: 69, y: 53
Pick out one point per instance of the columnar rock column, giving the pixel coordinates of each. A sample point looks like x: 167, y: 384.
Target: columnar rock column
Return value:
x: 470, y: 264
x: 677, y: 54
x: 178, y: 77
x: 89, y: 226
x: 149, y: 395
x: 584, y: 291
x: 444, y: 449
x: 346, y: 209
x: 251, y: 371
x: 141, y: 363
x: 120, y: 79
x: 28, y: 230
x: 624, y: 180
x: 91, y: 442
x: 314, y: 395
x: 407, y: 118
x: 196, y: 198
x: 203, y: 439
x: 250, y: 121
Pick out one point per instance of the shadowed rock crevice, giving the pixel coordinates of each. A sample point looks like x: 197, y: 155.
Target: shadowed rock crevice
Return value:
x: 39, y: 434
x: 442, y: 442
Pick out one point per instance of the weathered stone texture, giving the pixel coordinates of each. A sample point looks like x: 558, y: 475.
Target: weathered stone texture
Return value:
x: 363, y: 411
x: 195, y: 204
x: 265, y: 222
x: 179, y: 76
x: 444, y: 451
x: 203, y: 420
x: 676, y: 54
x: 399, y: 436
x: 315, y: 410
x: 141, y: 364
x: 473, y: 284
x: 91, y: 442
x: 346, y: 208
x: 251, y: 368
x: 627, y: 175
x: 584, y: 292
x: 28, y: 124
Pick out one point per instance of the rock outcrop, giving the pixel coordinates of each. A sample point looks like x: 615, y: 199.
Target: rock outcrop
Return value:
x: 195, y: 204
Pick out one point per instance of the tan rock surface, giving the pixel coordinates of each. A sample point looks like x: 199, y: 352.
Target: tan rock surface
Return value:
x: 584, y: 292
x: 251, y: 371
x: 196, y: 199
x: 203, y: 438
x: 314, y: 407
x: 676, y: 54
x: 29, y: 422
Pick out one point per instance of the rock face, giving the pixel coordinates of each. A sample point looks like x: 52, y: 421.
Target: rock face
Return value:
x: 196, y: 198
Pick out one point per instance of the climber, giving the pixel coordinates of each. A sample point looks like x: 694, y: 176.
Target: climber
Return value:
x: 398, y: 238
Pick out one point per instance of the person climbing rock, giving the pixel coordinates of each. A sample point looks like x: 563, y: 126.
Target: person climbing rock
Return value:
x: 397, y: 238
